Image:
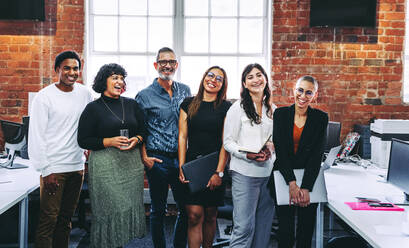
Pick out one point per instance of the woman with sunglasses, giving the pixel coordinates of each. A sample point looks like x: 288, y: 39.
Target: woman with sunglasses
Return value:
x: 115, y: 167
x: 247, y: 120
x: 201, y: 126
x: 298, y: 136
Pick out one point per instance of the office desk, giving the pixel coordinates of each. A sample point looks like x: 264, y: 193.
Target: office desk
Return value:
x: 19, y: 184
x: 379, y: 228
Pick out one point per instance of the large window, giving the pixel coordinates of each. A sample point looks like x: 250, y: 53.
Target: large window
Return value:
x: 228, y: 33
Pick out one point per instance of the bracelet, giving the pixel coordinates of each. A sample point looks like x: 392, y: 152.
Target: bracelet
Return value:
x: 139, y: 140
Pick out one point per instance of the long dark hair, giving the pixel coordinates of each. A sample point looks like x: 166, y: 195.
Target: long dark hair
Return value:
x: 246, y: 101
x: 221, y: 95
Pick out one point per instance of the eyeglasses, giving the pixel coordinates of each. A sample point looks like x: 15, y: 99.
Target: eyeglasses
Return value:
x: 211, y: 75
x: 308, y: 93
x: 171, y: 62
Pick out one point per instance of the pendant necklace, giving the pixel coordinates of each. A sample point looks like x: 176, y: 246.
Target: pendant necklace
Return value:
x: 123, y: 112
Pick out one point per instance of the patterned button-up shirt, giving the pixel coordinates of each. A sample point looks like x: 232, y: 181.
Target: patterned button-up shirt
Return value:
x: 162, y: 114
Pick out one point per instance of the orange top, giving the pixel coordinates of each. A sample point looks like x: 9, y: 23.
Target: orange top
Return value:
x: 297, y: 136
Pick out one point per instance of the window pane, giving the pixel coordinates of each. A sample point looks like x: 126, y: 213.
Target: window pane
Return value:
x: 152, y: 71
x: 223, y: 8
x: 132, y: 7
x: 251, y: 35
x: 244, y: 61
x: 105, y: 33
x: 97, y: 61
x: 229, y: 64
x: 160, y: 7
x: 160, y: 33
x: 196, y: 7
x: 192, y: 69
x: 196, y: 35
x: 106, y: 7
x: 223, y: 35
x: 251, y: 7
x: 136, y: 67
x: 132, y: 34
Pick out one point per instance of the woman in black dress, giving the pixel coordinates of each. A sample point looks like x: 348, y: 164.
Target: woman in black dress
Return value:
x: 115, y: 166
x: 200, y: 133
x: 298, y: 136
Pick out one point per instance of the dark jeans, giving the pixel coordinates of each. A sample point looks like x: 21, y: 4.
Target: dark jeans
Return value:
x: 305, y: 225
x: 160, y: 176
x: 54, y: 224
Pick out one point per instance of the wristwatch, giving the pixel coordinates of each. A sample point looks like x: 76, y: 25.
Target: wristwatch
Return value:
x: 220, y: 174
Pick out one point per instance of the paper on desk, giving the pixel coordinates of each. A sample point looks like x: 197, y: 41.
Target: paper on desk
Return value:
x: 5, y: 178
x: 388, y: 230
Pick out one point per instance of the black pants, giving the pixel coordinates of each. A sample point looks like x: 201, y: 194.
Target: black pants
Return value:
x: 306, y: 217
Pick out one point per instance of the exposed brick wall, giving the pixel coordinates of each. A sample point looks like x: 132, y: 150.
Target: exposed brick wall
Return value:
x: 359, y: 69
x: 27, y: 52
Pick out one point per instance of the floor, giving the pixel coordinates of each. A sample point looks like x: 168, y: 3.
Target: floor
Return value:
x: 80, y: 237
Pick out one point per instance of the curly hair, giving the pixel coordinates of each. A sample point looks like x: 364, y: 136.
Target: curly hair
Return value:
x: 246, y: 101
x: 107, y: 70
x: 66, y: 55
x: 197, y: 100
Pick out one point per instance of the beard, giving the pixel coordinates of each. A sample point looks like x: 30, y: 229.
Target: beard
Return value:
x: 166, y: 77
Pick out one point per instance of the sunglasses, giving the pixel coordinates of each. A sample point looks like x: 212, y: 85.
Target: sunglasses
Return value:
x: 211, y: 75
x: 308, y: 93
x: 171, y: 62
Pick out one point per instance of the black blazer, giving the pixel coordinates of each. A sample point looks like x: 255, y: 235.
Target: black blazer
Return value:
x: 310, y: 148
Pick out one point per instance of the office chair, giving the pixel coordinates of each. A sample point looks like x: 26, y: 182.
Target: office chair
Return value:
x: 332, y: 135
x: 346, y: 241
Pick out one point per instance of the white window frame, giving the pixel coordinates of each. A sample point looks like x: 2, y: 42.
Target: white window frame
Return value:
x: 178, y: 42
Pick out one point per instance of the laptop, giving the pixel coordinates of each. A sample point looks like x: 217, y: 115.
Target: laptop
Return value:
x: 199, y: 171
x: 318, y: 194
x: 331, y: 157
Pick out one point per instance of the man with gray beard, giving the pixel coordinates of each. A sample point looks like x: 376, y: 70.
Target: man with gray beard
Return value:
x: 160, y: 103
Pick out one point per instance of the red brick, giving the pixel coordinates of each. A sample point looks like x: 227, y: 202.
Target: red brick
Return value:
x: 392, y: 77
x: 371, y: 47
x: 398, y: 24
x: 393, y: 101
x: 398, y: 32
x: 386, y: 7
x: 394, y: 16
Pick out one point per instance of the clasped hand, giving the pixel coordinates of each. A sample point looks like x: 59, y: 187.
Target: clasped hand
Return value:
x: 123, y: 143
x: 298, y: 196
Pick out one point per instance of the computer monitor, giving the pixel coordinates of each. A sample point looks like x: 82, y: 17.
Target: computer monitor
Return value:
x: 333, y: 134
x: 398, y: 171
x: 15, y: 139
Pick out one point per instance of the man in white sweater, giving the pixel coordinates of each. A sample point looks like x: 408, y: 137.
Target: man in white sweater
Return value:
x: 54, y: 151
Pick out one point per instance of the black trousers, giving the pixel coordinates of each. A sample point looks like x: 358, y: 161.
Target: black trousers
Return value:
x: 306, y: 217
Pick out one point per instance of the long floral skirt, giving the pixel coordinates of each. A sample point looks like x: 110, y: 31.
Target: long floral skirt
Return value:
x: 116, y: 192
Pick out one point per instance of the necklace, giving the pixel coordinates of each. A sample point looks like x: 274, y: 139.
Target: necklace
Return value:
x: 123, y: 112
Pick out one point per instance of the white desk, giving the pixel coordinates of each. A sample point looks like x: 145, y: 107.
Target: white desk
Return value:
x: 378, y: 228
x: 19, y: 184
